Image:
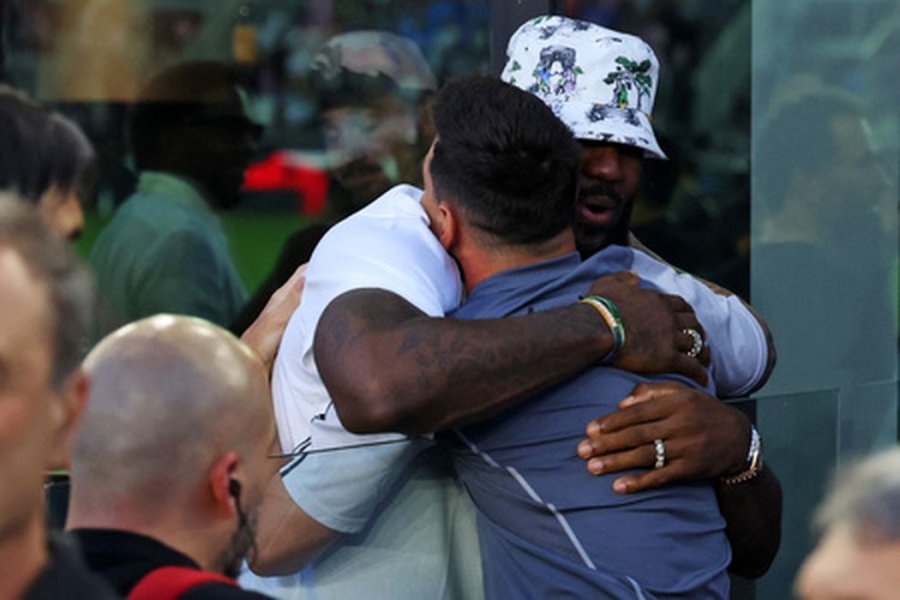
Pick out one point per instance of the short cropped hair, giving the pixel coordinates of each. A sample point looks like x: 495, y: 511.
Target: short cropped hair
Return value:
x: 69, y: 285
x: 866, y: 498
x: 39, y: 148
x: 505, y: 159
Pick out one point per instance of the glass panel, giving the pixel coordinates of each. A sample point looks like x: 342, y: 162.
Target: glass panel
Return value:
x: 801, y: 445
x: 824, y: 241
x: 92, y: 60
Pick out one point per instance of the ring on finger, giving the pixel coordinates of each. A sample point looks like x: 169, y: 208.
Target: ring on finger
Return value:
x: 697, y: 339
x: 660, y: 448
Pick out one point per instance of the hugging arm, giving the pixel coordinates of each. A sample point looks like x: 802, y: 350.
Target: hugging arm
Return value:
x: 704, y: 438
x: 389, y: 367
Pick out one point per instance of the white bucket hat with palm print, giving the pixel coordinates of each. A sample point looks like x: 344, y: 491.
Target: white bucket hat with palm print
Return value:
x: 599, y: 82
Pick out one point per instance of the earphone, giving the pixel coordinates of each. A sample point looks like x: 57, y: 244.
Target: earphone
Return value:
x: 234, y: 488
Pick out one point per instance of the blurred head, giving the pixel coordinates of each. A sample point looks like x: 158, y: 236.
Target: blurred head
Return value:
x: 44, y: 159
x: 858, y: 553
x: 374, y: 88
x: 602, y: 84
x: 191, y: 120
x: 45, y: 304
x: 503, y: 162
x: 179, y: 408
x: 818, y: 163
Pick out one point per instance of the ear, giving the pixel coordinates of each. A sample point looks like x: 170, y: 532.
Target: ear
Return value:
x: 447, y: 225
x: 66, y: 408
x: 220, y: 476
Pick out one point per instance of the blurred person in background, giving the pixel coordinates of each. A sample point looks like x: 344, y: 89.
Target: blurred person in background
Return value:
x: 825, y: 201
x: 374, y: 90
x: 164, y: 250
x: 45, y: 308
x: 172, y: 457
x: 46, y: 160
x: 859, y: 549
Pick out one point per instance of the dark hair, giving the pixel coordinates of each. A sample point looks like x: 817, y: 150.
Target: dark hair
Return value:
x: 504, y: 158
x: 40, y: 148
x: 179, y: 95
x: 69, y: 284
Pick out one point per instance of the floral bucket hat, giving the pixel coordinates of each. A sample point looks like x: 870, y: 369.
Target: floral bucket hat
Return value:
x: 599, y: 82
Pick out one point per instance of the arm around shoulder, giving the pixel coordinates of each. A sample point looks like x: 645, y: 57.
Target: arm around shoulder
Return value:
x: 390, y: 367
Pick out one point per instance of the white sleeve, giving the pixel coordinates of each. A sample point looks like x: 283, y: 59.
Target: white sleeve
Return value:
x: 737, y: 343
x: 388, y: 246
x: 342, y: 487
x: 339, y: 477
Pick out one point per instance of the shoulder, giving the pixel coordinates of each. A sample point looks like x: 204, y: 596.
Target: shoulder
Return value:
x: 387, y: 245
x: 67, y: 576
x: 397, y: 212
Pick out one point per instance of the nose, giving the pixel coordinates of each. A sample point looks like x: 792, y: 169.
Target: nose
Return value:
x: 73, y: 217
x: 602, y: 162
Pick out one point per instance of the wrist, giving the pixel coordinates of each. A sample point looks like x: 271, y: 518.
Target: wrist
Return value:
x: 615, y: 329
x: 753, y: 463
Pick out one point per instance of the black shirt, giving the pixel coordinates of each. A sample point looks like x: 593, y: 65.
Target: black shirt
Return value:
x: 123, y: 558
x: 66, y: 576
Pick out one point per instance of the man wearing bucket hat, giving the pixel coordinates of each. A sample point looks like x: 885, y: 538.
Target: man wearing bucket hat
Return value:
x: 602, y: 84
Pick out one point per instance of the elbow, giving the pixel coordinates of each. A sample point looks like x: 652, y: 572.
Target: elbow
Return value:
x: 369, y: 407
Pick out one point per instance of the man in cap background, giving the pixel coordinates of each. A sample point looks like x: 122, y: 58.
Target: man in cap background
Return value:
x: 374, y: 90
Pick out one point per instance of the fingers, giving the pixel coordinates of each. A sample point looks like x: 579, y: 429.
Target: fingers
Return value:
x: 298, y: 279
x: 651, y: 479
x: 607, y: 284
x: 643, y: 458
x: 651, y: 390
x: 691, y: 368
x: 626, y: 277
x: 678, y: 303
x: 636, y: 458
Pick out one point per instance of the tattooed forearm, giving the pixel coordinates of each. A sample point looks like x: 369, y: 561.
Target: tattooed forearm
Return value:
x: 388, y: 366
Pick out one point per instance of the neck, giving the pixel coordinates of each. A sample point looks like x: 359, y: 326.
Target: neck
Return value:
x: 23, y: 554
x: 479, y: 261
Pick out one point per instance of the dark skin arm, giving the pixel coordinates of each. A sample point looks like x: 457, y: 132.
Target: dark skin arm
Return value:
x: 389, y: 367
x: 704, y: 439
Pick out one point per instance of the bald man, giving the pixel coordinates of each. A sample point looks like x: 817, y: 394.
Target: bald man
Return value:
x: 173, y: 456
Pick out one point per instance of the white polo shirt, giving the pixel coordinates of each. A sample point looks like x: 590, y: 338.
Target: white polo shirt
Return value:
x: 410, y: 525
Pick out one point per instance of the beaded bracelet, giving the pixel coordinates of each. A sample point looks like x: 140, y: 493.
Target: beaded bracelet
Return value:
x: 613, y: 319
